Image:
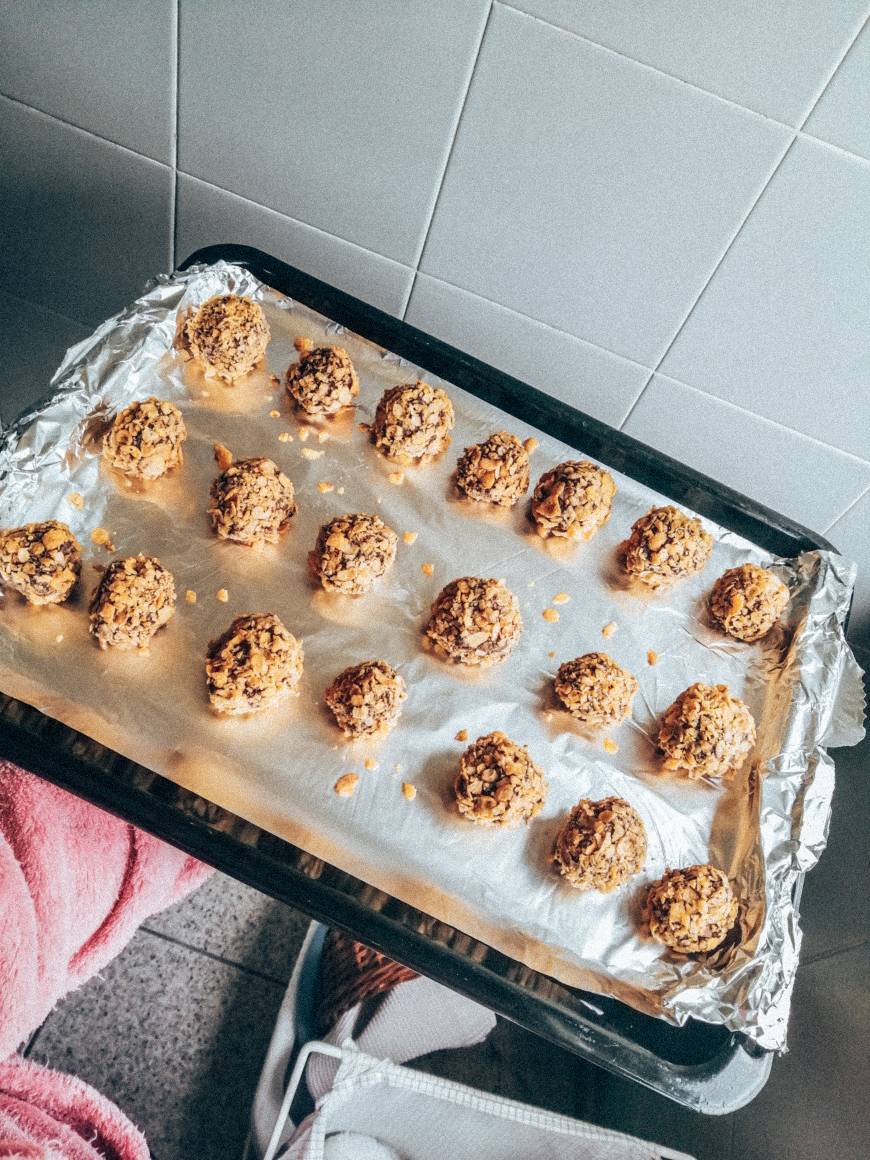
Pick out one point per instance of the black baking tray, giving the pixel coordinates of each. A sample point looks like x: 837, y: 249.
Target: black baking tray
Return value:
x: 700, y: 1065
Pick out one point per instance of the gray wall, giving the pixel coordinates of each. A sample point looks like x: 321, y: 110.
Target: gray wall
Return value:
x: 659, y: 211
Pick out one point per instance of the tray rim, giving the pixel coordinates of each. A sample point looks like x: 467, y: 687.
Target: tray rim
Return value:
x: 734, y: 1074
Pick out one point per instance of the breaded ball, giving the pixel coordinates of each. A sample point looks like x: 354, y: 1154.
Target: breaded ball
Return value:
x: 495, y: 471
x: 134, y: 599
x: 573, y: 499
x: 227, y: 336
x: 691, y: 910
x: 41, y: 561
x: 366, y: 699
x: 474, y: 621
x: 706, y: 732
x: 746, y: 602
x: 352, y: 553
x: 601, y: 844
x: 323, y: 381
x: 253, y: 665
x: 252, y: 502
x: 144, y: 441
x: 595, y: 689
x: 498, y: 783
x: 666, y: 545
x: 413, y: 422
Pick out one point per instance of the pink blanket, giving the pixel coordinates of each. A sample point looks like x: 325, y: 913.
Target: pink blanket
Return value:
x: 75, y: 883
x: 44, y: 1114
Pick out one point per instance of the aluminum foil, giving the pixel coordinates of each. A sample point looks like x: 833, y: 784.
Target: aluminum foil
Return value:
x: 765, y: 827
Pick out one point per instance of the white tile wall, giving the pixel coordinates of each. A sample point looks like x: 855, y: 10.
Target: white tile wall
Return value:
x: 207, y: 215
x: 592, y: 379
x: 768, y: 55
x: 842, y: 116
x: 105, y: 66
x: 590, y: 195
x: 339, y: 114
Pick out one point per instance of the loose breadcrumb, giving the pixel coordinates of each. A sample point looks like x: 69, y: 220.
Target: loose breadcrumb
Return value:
x: 222, y: 595
x: 323, y: 487
x: 427, y: 569
x: 462, y: 735
x: 322, y: 436
x: 102, y: 539
x: 561, y: 598
x: 76, y: 499
x: 223, y: 456
x: 346, y: 784
x: 285, y: 437
x: 310, y: 453
x: 273, y: 414
x: 370, y: 763
x: 551, y: 653
x: 190, y: 596
x: 550, y: 615
x: 530, y: 444
x: 410, y: 537
x: 304, y: 432
x: 274, y: 380
x: 340, y: 491
x: 58, y: 638
x: 610, y: 745
x: 652, y: 658
x: 409, y: 792
x: 609, y: 628
x: 396, y: 477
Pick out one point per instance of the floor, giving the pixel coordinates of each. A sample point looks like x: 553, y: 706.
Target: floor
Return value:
x: 176, y: 1028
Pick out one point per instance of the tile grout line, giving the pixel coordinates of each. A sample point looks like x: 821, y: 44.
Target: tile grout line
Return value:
x: 826, y: 956
x: 795, y: 137
x: 633, y: 60
x: 267, y: 978
x: 295, y: 220
x: 846, y: 510
x: 173, y: 208
x: 763, y: 418
x: 449, y: 151
x: 46, y: 309
x: 744, y: 219
x: 84, y: 132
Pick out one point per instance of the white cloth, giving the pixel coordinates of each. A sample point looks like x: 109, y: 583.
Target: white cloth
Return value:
x: 416, y: 1017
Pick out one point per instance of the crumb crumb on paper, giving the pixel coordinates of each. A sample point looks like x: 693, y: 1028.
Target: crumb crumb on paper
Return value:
x: 58, y: 638
x: 427, y: 569
x: 223, y: 456
x: 324, y: 487
x: 370, y: 763
x: 561, y: 598
x: 304, y: 432
x: 273, y: 414
x: 610, y: 628
x: 410, y: 537
x: 409, y: 792
x: 530, y: 444
x: 310, y: 453
x: 190, y: 596
x: 76, y: 499
x: 346, y: 784
x: 285, y: 437
x: 550, y: 615
x: 396, y: 476
x: 102, y: 539
x: 610, y: 745
x: 652, y: 658
x: 222, y: 595
x: 462, y: 735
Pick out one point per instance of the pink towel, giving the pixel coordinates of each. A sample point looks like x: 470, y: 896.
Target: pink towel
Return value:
x: 75, y: 883
x: 44, y: 1114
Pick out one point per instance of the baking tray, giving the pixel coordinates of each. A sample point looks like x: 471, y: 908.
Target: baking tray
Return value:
x: 623, y: 454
